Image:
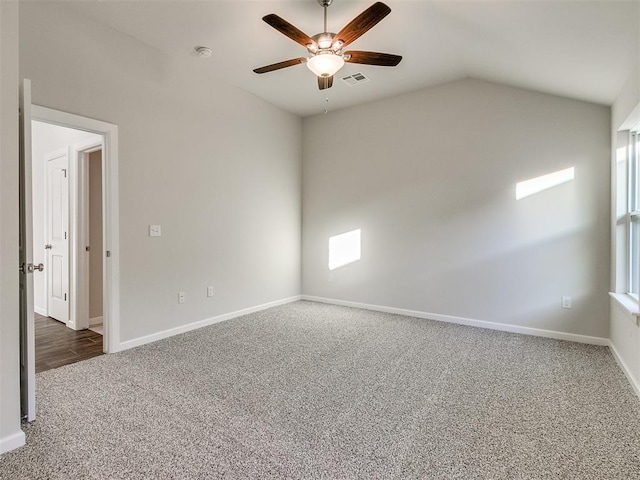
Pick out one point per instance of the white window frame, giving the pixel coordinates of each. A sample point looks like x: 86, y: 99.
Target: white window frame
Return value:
x: 633, y: 216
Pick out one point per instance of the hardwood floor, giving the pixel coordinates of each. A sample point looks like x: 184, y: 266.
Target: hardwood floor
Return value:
x: 58, y: 345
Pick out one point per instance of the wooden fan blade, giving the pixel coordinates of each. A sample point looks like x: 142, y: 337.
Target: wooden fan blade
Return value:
x: 279, y: 65
x: 325, y: 82
x: 289, y: 30
x: 362, y: 23
x: 372, y: 58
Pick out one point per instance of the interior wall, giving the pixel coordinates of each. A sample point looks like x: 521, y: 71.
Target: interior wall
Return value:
x: 430, y: 179
x: 216, y: 167
x: 46, y: 138
x: 625, y: 111
x: 10, y: 434
x: 95, y: 235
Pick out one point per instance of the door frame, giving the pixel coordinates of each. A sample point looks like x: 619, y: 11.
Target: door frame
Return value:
x: 80, y: 230
x: 110, y: 209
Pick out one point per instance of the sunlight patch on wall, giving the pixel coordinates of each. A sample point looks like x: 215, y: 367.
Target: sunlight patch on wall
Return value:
x: 344, y: 249
x: 544, y: 182
x: 621, y: 154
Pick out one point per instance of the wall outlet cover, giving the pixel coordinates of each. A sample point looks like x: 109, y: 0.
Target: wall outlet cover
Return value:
x: 155, y: 231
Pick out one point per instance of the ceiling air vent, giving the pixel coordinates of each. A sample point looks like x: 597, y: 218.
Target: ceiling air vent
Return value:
x: 355, y: 79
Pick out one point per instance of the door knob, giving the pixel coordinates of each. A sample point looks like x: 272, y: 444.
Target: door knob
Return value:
x: 48, y: 246
x: 30, y: 268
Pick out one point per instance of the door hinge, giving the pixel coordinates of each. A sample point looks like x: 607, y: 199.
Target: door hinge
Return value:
x: 64, y: 171
x: 65, y: 297
x: 87, y: 248
x: 65, y: 235
x: 108, y: 253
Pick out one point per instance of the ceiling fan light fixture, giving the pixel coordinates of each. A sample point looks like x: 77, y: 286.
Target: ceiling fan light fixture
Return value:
x: 325, y: 64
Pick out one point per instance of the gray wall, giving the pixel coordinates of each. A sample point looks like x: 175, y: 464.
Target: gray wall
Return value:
x: 218, y: 168
x: 10, y: 432
x: 430, y: 179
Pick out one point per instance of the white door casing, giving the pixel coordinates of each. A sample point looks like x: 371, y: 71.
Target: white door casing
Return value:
x: 79, y: 314
x: 27, y: 325
x: 57, y: 235
x: 110, y: 211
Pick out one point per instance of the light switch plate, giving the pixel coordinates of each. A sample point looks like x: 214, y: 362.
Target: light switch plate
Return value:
x: 155, y: 231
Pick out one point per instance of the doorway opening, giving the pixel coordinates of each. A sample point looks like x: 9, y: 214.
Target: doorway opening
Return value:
x: 67, y: 179
x: 74, y: 233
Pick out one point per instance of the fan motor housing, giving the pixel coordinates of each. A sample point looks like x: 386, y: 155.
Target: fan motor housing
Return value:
x: 324, y: 40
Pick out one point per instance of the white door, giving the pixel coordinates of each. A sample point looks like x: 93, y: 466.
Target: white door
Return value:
x: 58, y: 236
x: 27, y: 326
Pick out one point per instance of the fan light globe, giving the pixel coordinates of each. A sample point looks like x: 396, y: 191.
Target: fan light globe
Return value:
x: 325, y: 64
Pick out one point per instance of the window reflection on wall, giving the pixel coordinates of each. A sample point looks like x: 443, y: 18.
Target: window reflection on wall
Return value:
x: 544, y: 182
x: 344, y: 249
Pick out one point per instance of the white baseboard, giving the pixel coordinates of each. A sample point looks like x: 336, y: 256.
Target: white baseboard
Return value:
x: 93, y: 321
x: 625, y: 369
x: 40, y: 311
x: 504, y: 327
x: 136, y: 342
x: 12, y: 442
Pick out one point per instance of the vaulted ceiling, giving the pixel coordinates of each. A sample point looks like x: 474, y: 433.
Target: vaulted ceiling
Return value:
x: 578, y: 49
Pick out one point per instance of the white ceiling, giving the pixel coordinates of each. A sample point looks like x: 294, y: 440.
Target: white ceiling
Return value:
x: 578, y: 49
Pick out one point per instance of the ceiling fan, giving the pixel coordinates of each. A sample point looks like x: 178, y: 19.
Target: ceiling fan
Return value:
x: 325, y: 48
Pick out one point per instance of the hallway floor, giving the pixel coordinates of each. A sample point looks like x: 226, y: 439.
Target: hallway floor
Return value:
x: 58, y: 345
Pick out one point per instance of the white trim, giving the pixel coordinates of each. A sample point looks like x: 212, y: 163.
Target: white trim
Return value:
x: 136, y: 342
x: 95, y: 321
x: 111, y: 287
x: 40, y: 311
x: 628, y: 305
x: 11, y: 442
x: 625, y: 369
x: 504, y: 327
x: 80, y: 266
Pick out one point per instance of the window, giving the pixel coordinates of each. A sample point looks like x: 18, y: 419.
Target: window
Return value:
x: 633, y: 216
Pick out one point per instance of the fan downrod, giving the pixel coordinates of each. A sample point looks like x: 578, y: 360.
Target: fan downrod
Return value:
x: 325, y: 3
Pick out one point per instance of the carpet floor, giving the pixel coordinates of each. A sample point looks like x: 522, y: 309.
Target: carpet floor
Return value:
x: 308, y: 390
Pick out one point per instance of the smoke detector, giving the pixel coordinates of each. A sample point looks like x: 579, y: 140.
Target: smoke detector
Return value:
x: 203, y: 51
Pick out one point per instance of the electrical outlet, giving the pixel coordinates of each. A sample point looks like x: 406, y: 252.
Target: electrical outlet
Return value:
x: 180, y: 297
x: 210, y: 291
x: 566, y: 302
x: 155, y: 231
